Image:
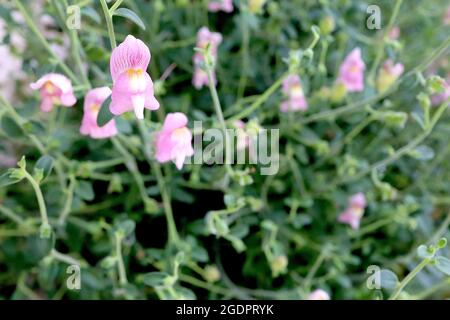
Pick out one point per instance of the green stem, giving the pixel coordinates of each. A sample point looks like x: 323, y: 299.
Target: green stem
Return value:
x: 131, y: 165
x: 121, y: 266
x: 39, y: 196
x: 171, y: 226
x: 261, y: 99
x: 109, y: 24
x: 218, y: 110
x: 115, y: 6
x: 156, y: 168
x: 408, y: 278
x: 43, y: 41
x: 64, y: 258
x: 11, y: 215
x: 380, y: 51
x: 68, y: 205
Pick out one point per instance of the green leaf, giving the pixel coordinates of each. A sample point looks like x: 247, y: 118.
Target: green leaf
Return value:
x: 443, y: 264
x: 127, y: 227
x: 10, y: 127
x: 388, y: 279
x: 84, y: 190
x: 45, y: 163
x: 130, y: 15
x: 155, y: 279
x: 6, y: 179
x: 104, y: 115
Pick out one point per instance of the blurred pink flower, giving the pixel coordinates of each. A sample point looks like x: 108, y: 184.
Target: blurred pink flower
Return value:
x: 220, y: 5
x: 351, y: 72
x: 394, y: 33
x: 292, y: 89
x: 355, y: 210
x: 132, y: 85
x: 174, y: 141
x: 446, y: 19
x: 204, y: 37
x: 54, y: 89
x: 388, y: 74
x: 441, y: 97
x: 92, y: 104
x: 319, y: 294
x: 242, y: 136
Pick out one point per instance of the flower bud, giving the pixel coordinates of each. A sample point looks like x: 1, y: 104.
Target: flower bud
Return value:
x: 211, y: 273
x: 279, y: 265
x: 327, y: 25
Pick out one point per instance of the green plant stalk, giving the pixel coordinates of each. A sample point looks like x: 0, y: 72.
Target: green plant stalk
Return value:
x: 11, y: 215
x: 120, y: 264
x: 261, y: 99
x: 171, y: 226
x: 244, y: 57
x: 358, y: 128
x: 313, y: 270
x: 68, y: 204
x: 39, y: 196
x: 115, y: 6
x: 64, y: 258
x: 132, y: 167
x: 43, y: 41
x: 109, y: 24
x: 380, y: 51
x: 408, y: 278
x: 219, y: 114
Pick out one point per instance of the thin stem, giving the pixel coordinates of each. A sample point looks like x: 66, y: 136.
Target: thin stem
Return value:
x: 244, y: 56
x: 408, y: 278
x: 171, y: 226
x: 43, y: 41
x: 64, y: 258
x: 39, y: 196
x: 115, y: 6
x: 120, y: 264
x: 156, y: 168
x: 131, y: 165
x: 109, y: 24
x: 68, y: 205
x: 261, y: 99
x: 11, y: 215
x: 380, y: 51
x: 315, y: 267
x: 219, y: 113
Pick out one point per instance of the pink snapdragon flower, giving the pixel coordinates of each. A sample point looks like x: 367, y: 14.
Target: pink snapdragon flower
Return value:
x: 55, y: 89
x: 292, y: 89
x: 174, y: 141
x: 355, y: 210
x: 388, y: 74
x: 132, y: 85
x: 220, y: 5
x: 319, y: 294
x: 92, y: 104
x: 351, y: 72
x: 204, y: 37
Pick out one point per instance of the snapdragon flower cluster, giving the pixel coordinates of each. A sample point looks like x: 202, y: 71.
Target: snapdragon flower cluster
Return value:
x: 132, y: 91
